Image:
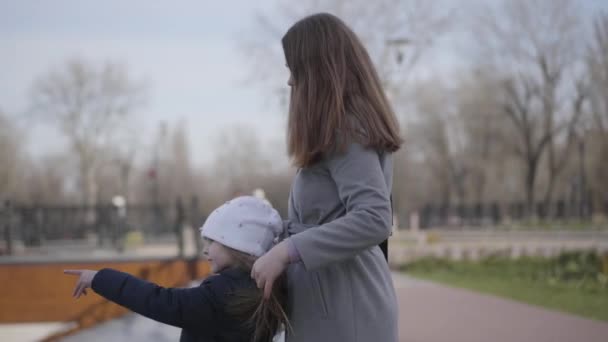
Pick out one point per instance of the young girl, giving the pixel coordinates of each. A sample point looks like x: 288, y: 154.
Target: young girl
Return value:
x: 227, y: 306
x: 341, y: 134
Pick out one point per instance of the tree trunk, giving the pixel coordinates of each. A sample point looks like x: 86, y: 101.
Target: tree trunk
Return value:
x: 532, y: 165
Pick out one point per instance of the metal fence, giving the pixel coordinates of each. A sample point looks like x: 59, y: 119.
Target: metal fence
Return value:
x: 108, y: 224
x: 35, y: 225
x: 492, y: 214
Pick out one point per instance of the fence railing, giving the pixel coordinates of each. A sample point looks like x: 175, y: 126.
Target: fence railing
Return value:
x: 108, y: 224
x: 37, y: 225
x: 437, y: 215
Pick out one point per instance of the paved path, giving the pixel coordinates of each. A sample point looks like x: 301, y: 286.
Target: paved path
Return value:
x: 431, y: 312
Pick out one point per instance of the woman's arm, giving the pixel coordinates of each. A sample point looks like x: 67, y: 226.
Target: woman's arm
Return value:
x: 363, y: 190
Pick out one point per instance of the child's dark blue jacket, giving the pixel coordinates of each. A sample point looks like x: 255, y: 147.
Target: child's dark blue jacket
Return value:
x: 199, y: 311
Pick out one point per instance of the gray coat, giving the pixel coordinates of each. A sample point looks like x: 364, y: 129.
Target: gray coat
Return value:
x: 339, y: 211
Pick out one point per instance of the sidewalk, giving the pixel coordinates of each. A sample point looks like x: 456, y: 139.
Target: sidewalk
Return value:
x: 431, y: 312
x: 27, y: 332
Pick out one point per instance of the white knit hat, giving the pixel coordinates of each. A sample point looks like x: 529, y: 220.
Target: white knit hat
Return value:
x: 247, y: 224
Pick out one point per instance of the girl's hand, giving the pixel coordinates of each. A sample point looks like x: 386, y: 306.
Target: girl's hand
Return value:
x: 84, y: 282
x: 269, y: 267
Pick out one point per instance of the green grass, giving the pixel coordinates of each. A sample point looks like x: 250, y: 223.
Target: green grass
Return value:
x: 534, y: 281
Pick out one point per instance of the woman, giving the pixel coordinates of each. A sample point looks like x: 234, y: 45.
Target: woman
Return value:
x: 341, y: 135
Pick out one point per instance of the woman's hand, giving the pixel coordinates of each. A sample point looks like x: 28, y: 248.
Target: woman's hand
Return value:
x: 84, y: 282
x: 269, y: 267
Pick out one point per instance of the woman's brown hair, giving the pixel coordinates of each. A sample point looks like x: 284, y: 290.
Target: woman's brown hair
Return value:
x: 248, y: 306
x: 337, y: 96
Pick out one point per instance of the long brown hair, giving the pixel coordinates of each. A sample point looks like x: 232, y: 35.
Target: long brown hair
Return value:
x: 265, y: 317
x: 337, y: 95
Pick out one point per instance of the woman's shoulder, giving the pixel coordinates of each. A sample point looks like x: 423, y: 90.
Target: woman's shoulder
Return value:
x: 348, y: 150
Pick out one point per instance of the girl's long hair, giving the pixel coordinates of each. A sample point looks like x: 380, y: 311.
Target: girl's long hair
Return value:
x: 265, y: 317
x: 337, y: 95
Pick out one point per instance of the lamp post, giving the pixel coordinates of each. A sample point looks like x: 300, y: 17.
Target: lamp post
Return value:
x: 154, y: 175
x: 392, y: 62
x: 399, y: 44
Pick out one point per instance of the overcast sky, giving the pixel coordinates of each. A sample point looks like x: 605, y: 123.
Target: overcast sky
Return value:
x: 186, y: 51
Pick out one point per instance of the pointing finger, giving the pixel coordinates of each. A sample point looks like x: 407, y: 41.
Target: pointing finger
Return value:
x: 80, y: 289
x: 75, y: 289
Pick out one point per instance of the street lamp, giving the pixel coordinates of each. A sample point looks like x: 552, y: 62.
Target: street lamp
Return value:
x: 121, y: 205
x: 392, y: 67
x: 398, y: 44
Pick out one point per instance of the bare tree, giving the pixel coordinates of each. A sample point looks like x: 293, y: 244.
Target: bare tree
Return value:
x: 176, y: 170
x: 532, y: 140
x: 597, y: 65
x: 10, y: 157
x: 535, y: 43
x: 483, y: 125
x: 88, y: 104
x: 396, y: 33
x: 240, y: 162
x: 440, y: 136
x: 459, y: 132
x: 114, y: 173
x: 44, y: 180
x: 168, y: 173
x: 181, y: 165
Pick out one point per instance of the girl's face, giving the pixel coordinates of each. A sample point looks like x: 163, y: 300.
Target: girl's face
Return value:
x: 217, y: 255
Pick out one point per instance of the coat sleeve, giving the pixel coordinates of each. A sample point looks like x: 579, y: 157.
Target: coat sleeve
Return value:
x: 362, y: 188
x: 189, y: 308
